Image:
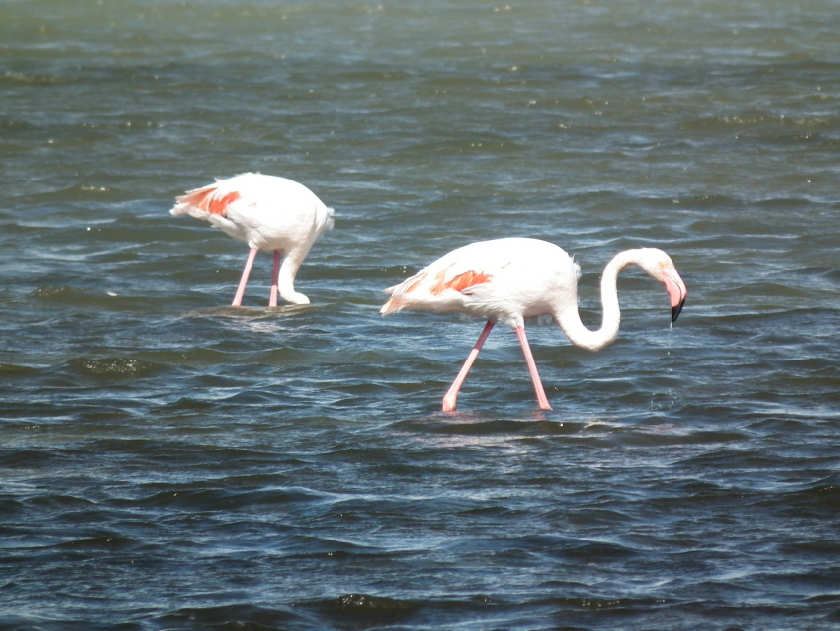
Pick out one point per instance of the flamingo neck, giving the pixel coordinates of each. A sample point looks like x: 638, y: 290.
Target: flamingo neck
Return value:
x: 568, y: 315
x: 286, y: 279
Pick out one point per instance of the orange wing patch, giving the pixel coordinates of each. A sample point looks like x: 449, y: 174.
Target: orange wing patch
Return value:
x: 205, y: 199
x: 219, y: 206
x: 460, y: 282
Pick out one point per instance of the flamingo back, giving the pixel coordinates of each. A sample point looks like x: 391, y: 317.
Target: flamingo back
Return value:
x: 266, y: 212
x: 503, y: 279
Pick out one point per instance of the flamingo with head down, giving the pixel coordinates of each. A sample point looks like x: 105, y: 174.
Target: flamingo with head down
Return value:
x: 267, y: 213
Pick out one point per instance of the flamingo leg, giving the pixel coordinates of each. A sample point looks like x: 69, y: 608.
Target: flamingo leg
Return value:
x: 451, y: 397
x: 532, y: 368
x: 272, y: 298
x: 240, y: 292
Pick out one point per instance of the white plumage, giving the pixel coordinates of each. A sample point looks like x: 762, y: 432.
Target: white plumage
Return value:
x: 508, y: 280
x: 267, y: 213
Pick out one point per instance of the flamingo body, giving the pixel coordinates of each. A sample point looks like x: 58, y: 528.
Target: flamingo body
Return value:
x: 508, y: 280
x: 267, y: 213
x: 505, y: 280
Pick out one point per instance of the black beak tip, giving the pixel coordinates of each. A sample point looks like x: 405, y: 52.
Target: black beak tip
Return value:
x: 675, y: 311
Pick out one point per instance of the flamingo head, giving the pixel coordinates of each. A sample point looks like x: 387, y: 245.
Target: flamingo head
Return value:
x: 659, y: 265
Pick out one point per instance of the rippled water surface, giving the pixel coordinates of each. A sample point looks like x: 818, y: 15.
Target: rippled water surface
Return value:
x: 170, y: 462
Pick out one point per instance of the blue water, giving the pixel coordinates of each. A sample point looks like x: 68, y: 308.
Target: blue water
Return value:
x: 170, y: 462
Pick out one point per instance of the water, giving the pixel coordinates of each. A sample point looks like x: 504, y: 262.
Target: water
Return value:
x: 169, y: 462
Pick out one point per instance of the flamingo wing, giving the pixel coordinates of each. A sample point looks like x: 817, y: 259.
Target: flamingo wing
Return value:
x: 213, y: 199
x: 444, y: 280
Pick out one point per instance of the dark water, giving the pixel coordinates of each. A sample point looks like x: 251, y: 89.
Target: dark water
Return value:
x: 169, y: 462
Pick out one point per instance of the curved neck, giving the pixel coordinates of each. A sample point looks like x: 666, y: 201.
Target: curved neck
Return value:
x: 568, y: 315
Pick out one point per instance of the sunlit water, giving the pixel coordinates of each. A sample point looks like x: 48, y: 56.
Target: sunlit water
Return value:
x: 169, y: 462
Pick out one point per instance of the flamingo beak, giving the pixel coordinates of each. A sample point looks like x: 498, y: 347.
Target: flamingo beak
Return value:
x: 676, y: 290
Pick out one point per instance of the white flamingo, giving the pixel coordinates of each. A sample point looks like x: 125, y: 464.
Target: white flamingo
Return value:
x: 267, y: 213
x: 508, y: 280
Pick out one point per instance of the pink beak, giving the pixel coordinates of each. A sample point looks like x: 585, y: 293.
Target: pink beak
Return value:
x: 676, y: 290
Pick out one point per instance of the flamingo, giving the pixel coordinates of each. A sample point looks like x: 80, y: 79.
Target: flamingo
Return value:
x: 267, y: 213
x: 508, y: 280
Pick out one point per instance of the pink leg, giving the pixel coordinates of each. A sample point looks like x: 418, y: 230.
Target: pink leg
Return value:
x: 532, y: 368
x: 272, y: 298
x: 451, y: 397
x: 237, y: 300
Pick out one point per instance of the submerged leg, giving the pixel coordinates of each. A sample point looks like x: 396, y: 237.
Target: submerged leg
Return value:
x: 532, y: 368
x: 272, y: 298
x: 451, y: 397
x: 237, y: 300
